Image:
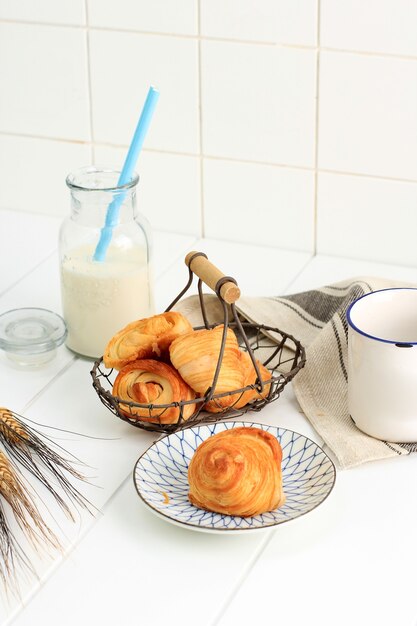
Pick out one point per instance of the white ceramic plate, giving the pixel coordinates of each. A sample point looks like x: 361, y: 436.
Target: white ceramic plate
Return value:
x: 160, y: 477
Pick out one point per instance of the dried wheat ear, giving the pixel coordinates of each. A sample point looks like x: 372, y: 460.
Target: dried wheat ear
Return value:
x: 49, y: 464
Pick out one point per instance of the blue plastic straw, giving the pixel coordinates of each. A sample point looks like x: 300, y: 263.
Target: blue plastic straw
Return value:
x: 112, y: 215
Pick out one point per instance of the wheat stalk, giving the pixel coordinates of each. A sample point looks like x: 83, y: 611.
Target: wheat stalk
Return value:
x: 12, y: 490
x: 11, y: 552
x: 42, y: 458
x: 30, y: 449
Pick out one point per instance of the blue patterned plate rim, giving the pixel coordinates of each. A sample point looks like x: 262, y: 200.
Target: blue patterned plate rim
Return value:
x: 279, y: 432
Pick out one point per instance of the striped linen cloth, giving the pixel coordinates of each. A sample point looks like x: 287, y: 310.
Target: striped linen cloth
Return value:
x: 318, y: 319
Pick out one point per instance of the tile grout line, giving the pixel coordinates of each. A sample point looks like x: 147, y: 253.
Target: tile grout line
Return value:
x: 316, y: 147
x: 200, y: 120
x: 50, y: 382
x: 285, y: 166
x: 325, y: 170
x: 26, y: 274
x: 89, y: 85
x: 211, y: 157
x: 368, y: 53
x: 300, y: 271
x: 241, y: 579
x: 154, y: 33
x: 292, y: 46
x: 178, y: 258
x: 11, y: 133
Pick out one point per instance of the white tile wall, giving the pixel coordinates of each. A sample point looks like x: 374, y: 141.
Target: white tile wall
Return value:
x: 44, y: 11
x: 160, y: 16
x: 33, y: 173
x: 368, y: 115
x: 382, y: 26
x: 300, y: 112
x: 258, y: 102
x: 284, y: 21
x: 367, y: 218
x: 169, y: 187
x: 263, y: 204
x: 43, y: 81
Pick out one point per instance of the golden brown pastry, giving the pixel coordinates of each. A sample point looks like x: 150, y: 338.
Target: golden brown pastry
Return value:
x: 149, y: 337
x: 237, y: 472
x: 147, y: 381
x: 195, y: 356
x: 250, y: 379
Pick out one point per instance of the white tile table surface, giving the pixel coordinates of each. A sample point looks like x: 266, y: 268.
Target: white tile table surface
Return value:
x: 349, y: 561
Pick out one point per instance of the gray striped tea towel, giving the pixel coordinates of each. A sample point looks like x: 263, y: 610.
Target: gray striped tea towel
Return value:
x: 318, y: 319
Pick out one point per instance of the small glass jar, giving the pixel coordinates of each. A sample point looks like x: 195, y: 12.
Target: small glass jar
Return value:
x: 30, y: 336
x: 101, y: 297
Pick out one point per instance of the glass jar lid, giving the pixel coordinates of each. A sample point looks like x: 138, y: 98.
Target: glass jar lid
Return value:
x: 31, y: 331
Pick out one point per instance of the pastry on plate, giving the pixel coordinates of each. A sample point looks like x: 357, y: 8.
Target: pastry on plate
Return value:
x: 195, y: 355
x: 151, y: 382
x: 145, y: 338
x: 237, y: 472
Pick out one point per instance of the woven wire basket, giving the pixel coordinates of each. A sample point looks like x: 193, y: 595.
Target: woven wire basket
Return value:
x: 281, y: 353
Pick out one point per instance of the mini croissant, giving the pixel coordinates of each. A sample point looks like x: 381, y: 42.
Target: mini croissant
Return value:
x: 151, y: 382
x: 242, y: 398
x: 145, y: 338
x: 237, y: 472
x: 195, y: 356
x: 250, y: 379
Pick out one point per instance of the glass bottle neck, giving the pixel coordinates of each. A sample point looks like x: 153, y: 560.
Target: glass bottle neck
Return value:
x: 92, y: 207
x: 96, y: 194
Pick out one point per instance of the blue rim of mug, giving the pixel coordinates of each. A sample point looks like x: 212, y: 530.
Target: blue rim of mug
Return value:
x: 362, y: 332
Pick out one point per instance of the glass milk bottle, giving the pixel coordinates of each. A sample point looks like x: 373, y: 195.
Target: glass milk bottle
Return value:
x: 101, y: 297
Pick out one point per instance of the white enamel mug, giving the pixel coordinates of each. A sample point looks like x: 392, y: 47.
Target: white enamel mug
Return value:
x: 382, y: 364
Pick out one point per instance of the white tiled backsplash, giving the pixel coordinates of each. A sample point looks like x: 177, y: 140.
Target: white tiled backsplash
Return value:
x: 289, y: 123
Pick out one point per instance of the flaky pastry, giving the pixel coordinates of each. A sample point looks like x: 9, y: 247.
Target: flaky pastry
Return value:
x: 237, y: 472
x: 145, y: 338
x: 250, y: 379
x: 195, y: 356
x: 151, y: 382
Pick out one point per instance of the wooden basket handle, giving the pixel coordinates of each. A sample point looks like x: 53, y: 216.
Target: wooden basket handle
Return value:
x: 211, y: 276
